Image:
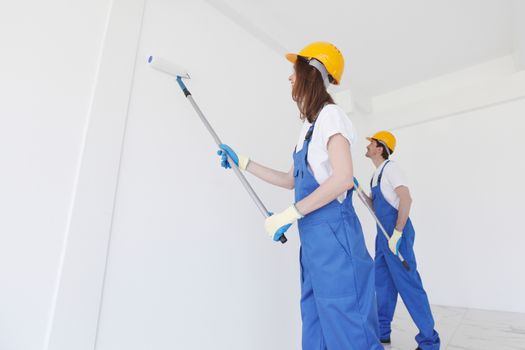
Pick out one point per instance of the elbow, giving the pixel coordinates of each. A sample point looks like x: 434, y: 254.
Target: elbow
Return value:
x: 347, y: 183
x: 342, y: 182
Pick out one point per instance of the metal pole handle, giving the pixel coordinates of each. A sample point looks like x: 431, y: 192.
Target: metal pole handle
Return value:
x: 235, y: 168
x: 363, y: 199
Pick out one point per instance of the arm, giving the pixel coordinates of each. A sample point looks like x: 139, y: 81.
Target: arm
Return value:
x: 271, y: 176
x: 367, y: 198
x: 340, y: 181
x: 405, y: 201
x: 274, y: 177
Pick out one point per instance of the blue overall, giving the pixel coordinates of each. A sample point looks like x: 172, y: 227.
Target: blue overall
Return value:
x: 338, y: 304
x: 392, y: 278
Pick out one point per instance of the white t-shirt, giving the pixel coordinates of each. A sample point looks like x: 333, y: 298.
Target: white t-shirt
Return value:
x: 392, y: 178
x: 332, y: 120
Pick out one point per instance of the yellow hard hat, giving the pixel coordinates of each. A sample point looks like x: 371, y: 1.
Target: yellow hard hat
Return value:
x: 326, y: 53
x: 385, y: 137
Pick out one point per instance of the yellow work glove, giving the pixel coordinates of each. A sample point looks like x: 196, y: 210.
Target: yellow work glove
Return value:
x: 239, y: 160
x: 276, y: 225
x: 395, y: 241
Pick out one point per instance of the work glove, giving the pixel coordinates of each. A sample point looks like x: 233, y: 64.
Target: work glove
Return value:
x: 239, y: 160
x: 395, y: 241
x: 276, y: 225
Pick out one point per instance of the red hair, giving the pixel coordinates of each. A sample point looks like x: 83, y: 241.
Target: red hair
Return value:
x: 309, y: 91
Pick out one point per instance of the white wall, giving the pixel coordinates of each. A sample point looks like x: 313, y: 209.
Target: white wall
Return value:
x: 190, y: 266
x: 76, y: 303
x: 466, y: 176
x: 48, y: 64
x: 461, y: 149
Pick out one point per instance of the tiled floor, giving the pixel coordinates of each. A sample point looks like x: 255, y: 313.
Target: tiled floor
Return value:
x: 463, y: 329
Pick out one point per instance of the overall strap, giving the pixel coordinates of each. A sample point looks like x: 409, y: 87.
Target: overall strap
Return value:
x: 381, y: 173
x: 311, y: 130
x: 307, y: 139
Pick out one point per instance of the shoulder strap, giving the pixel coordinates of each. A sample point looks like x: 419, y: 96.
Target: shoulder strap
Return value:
x: 381, y: 173
x: 311, y: 130
x: 308, y: 135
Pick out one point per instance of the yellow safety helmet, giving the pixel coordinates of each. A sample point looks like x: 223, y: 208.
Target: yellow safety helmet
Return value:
x: 386, y: 138
x: 326, y: 53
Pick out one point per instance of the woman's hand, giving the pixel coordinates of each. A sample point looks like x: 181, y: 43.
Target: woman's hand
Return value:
x: 276, y: 225
x: 239, y: 160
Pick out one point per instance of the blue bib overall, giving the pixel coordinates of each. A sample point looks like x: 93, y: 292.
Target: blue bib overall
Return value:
x: 392, y: 278
x: 338, y: 304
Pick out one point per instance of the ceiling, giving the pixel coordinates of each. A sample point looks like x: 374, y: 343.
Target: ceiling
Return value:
x: 387, y: 44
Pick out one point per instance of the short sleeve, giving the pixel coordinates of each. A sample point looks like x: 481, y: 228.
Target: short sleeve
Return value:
x: 395, y: 175
x: 333, y: 120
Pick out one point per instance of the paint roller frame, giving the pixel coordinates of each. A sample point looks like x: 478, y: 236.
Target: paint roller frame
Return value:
x: 179, y: 74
